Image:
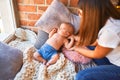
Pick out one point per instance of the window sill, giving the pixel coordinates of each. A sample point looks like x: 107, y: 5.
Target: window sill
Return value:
x: 6, y: 37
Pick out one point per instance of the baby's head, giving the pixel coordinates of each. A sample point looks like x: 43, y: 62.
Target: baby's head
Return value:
x: 66, y: 29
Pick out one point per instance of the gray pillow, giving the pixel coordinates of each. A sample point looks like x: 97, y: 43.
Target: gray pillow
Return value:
x: 55, y: 14
x: 11, y: 60
x: 41, y: 39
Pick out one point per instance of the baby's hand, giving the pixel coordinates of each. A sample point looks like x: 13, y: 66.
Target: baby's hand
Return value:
x: 54, y: 30
x: 71, y: 37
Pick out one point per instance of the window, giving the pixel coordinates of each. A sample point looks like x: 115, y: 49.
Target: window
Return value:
x: 7, y: 19
x: 1, y: 25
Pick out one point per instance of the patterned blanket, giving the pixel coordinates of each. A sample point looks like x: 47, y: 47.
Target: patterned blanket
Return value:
x: 63, y: 69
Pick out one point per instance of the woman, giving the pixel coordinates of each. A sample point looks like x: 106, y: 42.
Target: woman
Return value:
x: 100, y: 24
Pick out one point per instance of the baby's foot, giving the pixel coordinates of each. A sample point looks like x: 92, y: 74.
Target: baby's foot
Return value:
x: 44, y: 62
x: 47, y: 64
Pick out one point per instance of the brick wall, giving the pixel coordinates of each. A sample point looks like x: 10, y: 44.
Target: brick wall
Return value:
x: 31, y: 10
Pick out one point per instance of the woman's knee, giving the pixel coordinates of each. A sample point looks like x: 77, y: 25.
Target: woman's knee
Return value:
x: 106, y: 72
x: 83, y: 75
x: 88, y: 74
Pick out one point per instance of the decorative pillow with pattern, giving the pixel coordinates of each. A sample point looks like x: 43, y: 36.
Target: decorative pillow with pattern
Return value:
x: 76, y: 57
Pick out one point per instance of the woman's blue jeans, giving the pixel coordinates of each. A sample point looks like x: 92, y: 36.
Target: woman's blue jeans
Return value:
x: 104, y: 71
x: 101, y: 72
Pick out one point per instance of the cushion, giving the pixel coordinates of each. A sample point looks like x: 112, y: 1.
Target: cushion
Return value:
x: 76, y: 57
x: 25, y: 34
x: 55, y: 14
x: 41, y: 39
x: 11, y: 60
x: 21, y: 34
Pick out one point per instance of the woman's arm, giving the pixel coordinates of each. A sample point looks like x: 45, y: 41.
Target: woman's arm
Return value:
x: 95, y: 43
x: 99, y: 51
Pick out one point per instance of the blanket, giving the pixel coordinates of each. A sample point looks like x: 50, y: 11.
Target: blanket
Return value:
x: 63, y: 69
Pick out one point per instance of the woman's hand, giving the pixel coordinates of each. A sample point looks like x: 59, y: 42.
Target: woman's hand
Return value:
x: 74, y: 48
x: 77, y: 48
x: 77, y: 38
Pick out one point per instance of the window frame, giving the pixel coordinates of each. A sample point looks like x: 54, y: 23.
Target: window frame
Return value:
x: 10, y: 18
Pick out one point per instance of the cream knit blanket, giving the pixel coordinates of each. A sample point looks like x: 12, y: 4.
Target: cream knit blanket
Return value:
x: 63, y: 69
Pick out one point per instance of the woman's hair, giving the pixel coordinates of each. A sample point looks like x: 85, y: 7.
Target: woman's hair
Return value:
x: 95, y: 13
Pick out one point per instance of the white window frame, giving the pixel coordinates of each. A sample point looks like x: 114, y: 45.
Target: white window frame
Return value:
x: 8, y: 19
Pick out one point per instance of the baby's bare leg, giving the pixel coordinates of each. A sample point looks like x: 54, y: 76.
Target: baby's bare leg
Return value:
x: 53, y: 59
x: 38, y: 57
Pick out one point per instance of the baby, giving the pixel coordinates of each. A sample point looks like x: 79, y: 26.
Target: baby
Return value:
x: 48, y: 53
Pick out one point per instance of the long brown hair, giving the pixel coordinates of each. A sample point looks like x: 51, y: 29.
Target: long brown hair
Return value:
x: 95, y: 13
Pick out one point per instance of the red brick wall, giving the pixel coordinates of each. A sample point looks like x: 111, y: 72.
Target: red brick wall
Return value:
x: 31, y: 10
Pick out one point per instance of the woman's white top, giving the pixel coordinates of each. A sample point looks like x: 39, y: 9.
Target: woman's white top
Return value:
x: 109, y: 36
